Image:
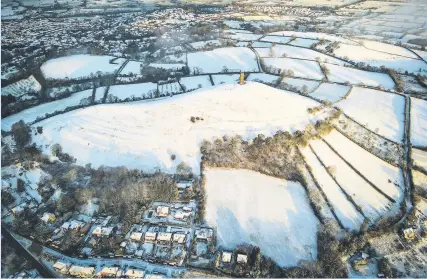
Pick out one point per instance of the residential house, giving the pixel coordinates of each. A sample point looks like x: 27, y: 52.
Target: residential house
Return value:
x: 19, y: 208
x: 204, y: 233
x: 182, y: 216
x: 187, y: 208
x: 81, y: 271
x: 226, y: 257
x: 48, y: 217
x: 162, y: 211
x: 134, y: 273
x: 72, y: 225
x: 241, y: 258
x: 109, y: 272
x: 150, y: 236
x: 164, y: 236
x: 409, y: 233
x: 179, y: 237
x: 102, y: 231
x: 61, y: 267
x: 136, y: 236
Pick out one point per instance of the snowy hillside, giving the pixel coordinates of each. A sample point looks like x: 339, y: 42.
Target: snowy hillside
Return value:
x: 145, y: 134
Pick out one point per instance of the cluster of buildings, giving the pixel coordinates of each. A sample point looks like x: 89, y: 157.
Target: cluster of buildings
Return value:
x: 82, y: 271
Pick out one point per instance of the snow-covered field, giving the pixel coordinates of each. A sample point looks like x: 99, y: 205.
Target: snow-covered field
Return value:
x: 377, y: 171
x: 301, y: 68
x: 262, y: 44
x: 355, y: 76
x: 300, y: 83
x: 130, y: 91
x: 379, y: 111
x: 170, y: 88
x: 303, y: 42
x: 271, y: 213
x: 31, y: 114
x: 313, y: 35
x: 276, y: 39
x: 191, y: 83
x: 420, y: 158
x: 373, y: 204
x: 422, y: 54
x: 79, y: 66
x: 214, y: 61
x: 388, y: 48
x: 243, y: 36
x: 225, y: 79
x: 297, y: 52
x: 378, y: 58
x: 330, y: 92
x: 145, y: 134
x: 132, y: 67
x: 344, y: 209
x: 263, y: 78
x: 242, y: 44
x: 203, y: 44
x: 418, y: 122
x: 22, y: 87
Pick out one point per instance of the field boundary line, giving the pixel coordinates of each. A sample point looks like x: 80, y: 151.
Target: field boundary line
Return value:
x: 330, y: 206
x: 359, y: 173
x: 349, y: 198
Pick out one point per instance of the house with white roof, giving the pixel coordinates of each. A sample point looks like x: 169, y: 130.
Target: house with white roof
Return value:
x: 164, y: 236
x: 226, y: 257
x: 81, y: 271
x: 136, y: 236
x: 162, y: 211
x: 150, y: 236
x: 204, y: 233
x: 179, y: 238
x: 134, y: 273
x: 242, y: 258
x: 109, y: 272
x: 61, y: 267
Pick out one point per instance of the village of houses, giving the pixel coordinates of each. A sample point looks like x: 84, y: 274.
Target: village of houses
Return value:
x: 166, y: 238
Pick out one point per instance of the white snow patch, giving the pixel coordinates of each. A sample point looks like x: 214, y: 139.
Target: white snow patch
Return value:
x: 418, y: 122
x: 271, y: 213
x: 31, y: 114
x: 78, y: 66
x: 379, y: 111
x: 354, y: 76
x: 196, y: 82
x: 344, y: 209
x: 380, y: 173
x: 129, y: 91
x: 330, y: 92
x: 144, y: 134
x: 232, y: 58
x: 301, y: 68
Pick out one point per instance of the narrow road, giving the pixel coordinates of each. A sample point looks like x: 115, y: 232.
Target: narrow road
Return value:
x: 25, y: 254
